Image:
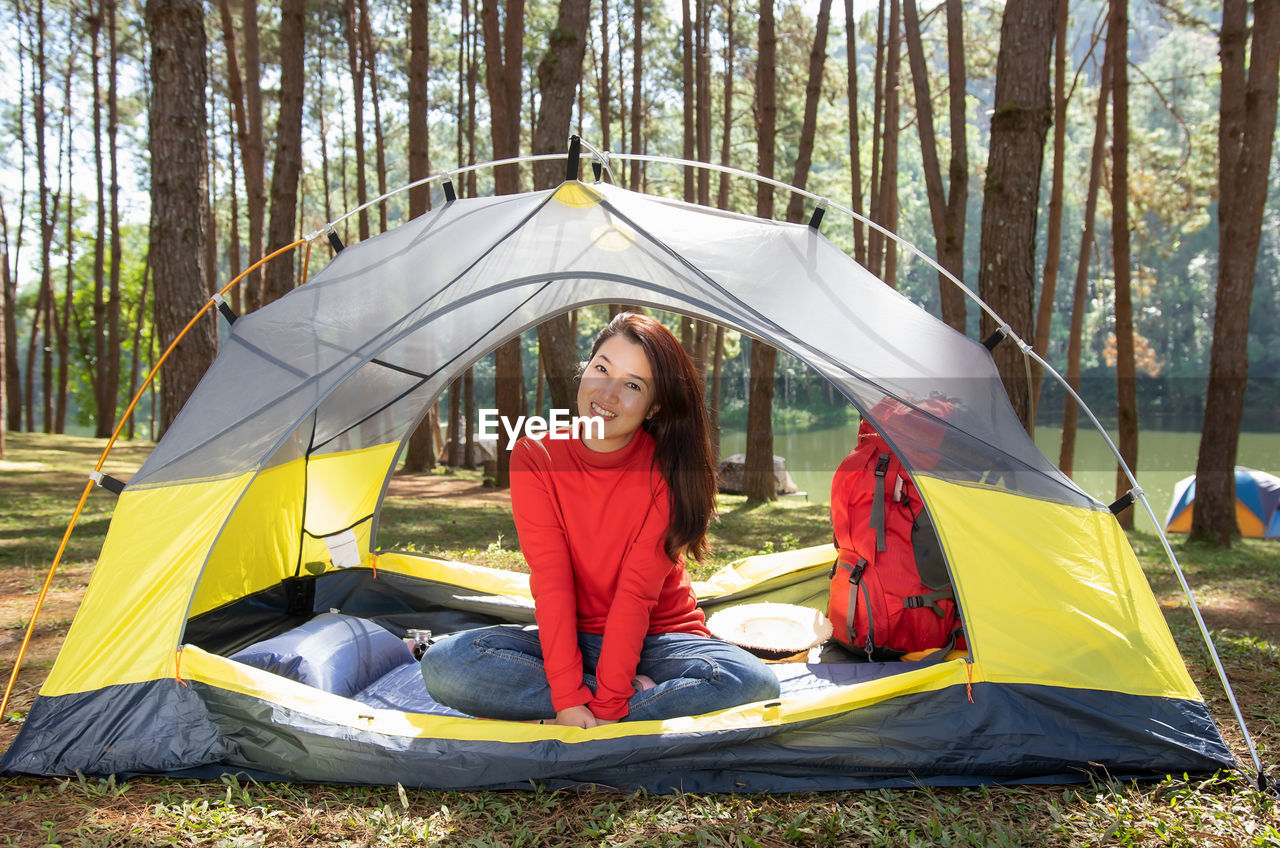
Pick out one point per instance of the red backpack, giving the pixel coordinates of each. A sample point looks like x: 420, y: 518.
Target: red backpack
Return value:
x: 890, y: 590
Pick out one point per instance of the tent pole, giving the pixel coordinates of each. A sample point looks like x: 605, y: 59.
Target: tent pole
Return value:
x: 604, y: 157
x: 97, y: 468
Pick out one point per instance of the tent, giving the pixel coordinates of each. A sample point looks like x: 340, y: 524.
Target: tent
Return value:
x: 1257, y: 504
x: 234, y: 619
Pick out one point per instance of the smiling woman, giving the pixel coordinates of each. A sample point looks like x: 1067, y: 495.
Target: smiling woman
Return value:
x: 604, y: 522
x: 617, y: 386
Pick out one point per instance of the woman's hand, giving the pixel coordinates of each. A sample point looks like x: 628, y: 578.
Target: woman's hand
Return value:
x: 579, y: 716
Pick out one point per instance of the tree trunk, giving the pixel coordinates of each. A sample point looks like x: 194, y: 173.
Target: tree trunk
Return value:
x: 1070, y: 414
x: 620, y: 92
x: 702, y: 97
x: 946, y: 212
x: 952, y: 298
x: 48, y: 213
x: 254, y: 153
x: 52, y: 332
x: 473, y: 73
x: 453, y: 453
x: 559, y: 73
x: 1246, y: 136
x: 135, y: 360
x: 63, y: 323
x: 177, y: 124
x: 419, y: 107
x: 461, y: 107
x: 889, y: 167
x: 153, y: 427
x: 38, y: 321
x: 420, y: 455
x: 726, y: 130
x: 319, y: 106
x: 104, y: 391
x: 808, y: 129
x: 855, y: 150
x: 533, y: 113
x: 234, y: 266
x: 689, y: 151
x: 1053, y: 248
x: 538, y: 372
x: 379, y: 142
x: 717, y: 385
x: 1023, y: 112
x: 356, y: 67
x: 343, y: 169
x: 10, y: 375
x: 56, y: 387
x: 236, y: 112
x: 504, y: 51
x: 4, y: 326
x: 637, y: 96
x: 279, y: 278
x: 766, y: 105
x: 111, y: 374
x: 1126, y: 370
x: 469, y: 419
x: 12, y: 419
x: 603, y: 92
x: 758, y: 481
x: 875, y: 239
x: 211, y: 214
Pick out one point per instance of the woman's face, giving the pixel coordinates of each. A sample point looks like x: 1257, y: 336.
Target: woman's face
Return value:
x: 617, y: 387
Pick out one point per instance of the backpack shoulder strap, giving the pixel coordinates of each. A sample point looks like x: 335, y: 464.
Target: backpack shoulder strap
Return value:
x: 876, y: 522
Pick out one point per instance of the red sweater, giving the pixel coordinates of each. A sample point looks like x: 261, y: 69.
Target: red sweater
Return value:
x: 592, y: 527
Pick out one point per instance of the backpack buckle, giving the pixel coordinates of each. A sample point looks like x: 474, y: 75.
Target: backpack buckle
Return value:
x: 930, y: 601
x: 855, y: 573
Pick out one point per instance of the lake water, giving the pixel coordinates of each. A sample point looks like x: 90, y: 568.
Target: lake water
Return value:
x: 1164, y: 458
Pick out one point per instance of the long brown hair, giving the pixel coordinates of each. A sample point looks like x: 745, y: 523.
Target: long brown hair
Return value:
x: 680, y: 429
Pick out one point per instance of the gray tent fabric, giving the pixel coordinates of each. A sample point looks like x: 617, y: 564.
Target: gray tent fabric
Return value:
x: 395, y: 319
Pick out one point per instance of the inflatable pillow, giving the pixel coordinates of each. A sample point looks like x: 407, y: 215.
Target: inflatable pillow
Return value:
x: 337, y: 653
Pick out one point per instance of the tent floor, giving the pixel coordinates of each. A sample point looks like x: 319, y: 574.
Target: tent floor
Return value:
x: 357, y: 658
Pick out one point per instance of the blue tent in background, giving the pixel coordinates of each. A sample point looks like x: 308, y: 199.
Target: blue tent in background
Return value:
x: 1257, y: 504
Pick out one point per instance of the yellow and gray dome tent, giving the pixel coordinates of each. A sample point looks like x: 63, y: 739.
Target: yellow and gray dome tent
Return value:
x: 234, y: 530
x: 1257, y: 504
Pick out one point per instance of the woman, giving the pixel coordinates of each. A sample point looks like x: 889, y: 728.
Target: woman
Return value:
x: 605, y: 520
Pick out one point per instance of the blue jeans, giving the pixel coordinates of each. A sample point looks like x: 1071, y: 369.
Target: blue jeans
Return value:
x: 497, y: 672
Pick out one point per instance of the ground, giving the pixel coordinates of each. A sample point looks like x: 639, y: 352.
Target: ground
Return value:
x: 455, y: 488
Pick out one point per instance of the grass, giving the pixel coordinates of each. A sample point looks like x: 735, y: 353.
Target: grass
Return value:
x: 43, y: 476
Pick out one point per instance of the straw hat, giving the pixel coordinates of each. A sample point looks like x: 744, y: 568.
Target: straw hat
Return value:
x: 780, y: 632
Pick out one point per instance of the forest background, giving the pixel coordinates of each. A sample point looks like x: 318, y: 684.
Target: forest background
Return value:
x: 1139, y: 152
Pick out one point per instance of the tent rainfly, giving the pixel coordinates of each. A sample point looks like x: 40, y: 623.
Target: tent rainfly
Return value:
x: 224, y: 629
